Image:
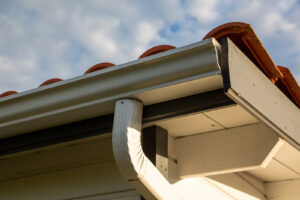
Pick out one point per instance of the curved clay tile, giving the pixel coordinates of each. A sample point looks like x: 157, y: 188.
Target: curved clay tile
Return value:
x: 228, y: 29
x: 290, y: 83
x: 156, y: 49
x: 246, y: 39
x: 50, y: 81
x: 99, y: 67
x: 7, y: 93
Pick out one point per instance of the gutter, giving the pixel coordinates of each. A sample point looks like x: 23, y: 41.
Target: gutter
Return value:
x: 129, y: 156
x: 94, y: 94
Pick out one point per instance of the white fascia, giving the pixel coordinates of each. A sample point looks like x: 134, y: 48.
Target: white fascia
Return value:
x: 254, y: 91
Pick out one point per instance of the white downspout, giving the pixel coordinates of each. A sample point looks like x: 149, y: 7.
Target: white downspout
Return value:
x: 129, y: 156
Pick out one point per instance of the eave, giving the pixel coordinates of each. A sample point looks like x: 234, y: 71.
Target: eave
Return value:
x: 175, y: 80
x: 169, y: 75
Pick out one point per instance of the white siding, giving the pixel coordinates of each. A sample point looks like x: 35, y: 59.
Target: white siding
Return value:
x: 69, y: 172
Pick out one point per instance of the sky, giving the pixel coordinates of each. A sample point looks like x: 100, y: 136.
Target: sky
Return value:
x: 47, y: 39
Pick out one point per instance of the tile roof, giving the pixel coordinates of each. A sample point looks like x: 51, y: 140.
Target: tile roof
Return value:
x: 99, y: 67
x: 7, y: 93
x: 246, y: 39
x: 50, y: 81
x: 156, y: 49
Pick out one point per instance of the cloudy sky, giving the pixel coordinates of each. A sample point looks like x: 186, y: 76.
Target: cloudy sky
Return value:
x: 63, y: 38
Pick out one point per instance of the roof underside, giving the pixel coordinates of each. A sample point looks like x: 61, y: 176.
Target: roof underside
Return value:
x: 161, y: 74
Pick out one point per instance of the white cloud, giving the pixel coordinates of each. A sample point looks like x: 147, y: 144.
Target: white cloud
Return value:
x: 64, y: 38
x: 277, y: 25
x: 146, y: 33
x: 22, y: 74
x: 285, y: 5
x: 52, y: 38
x: 99, y: 39
x: 205, y: 11
x: 272, y: 22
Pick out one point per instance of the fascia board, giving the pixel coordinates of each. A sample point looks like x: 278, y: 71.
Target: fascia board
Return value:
x: 95, y: 94
x: 249, y: 87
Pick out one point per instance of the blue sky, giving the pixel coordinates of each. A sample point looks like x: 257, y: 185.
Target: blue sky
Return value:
x: 50, y: 38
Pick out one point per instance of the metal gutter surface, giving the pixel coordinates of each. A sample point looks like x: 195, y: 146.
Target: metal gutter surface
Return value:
x: 94, y: 94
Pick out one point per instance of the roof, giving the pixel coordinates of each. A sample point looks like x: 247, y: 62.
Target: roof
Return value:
x: 172, y: 74
x: 246, y: 39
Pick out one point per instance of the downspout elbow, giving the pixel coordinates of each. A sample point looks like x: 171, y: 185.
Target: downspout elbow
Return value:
x: 129, y: 156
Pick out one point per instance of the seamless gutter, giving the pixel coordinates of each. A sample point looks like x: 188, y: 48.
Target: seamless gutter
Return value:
x: 94, y: 94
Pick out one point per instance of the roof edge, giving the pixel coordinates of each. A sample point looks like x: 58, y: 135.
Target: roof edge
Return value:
x: 243, y: 35
x: 94, y: 94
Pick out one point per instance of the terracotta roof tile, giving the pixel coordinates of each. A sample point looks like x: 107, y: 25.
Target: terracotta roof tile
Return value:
x: 7, y: 93
x: 246, y: 39
x: 156, y: 49
x: 50, y: 81
x: 99, y: 67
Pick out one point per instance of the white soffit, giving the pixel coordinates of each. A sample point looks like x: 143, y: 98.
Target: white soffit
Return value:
x: 284, y: 166
x: 202, y: 122
x: 231, y: 116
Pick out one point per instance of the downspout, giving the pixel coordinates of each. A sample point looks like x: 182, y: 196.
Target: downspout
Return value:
x: 129, y: 156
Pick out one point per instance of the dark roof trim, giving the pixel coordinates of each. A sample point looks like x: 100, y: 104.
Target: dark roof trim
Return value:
x: 103, y: 124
